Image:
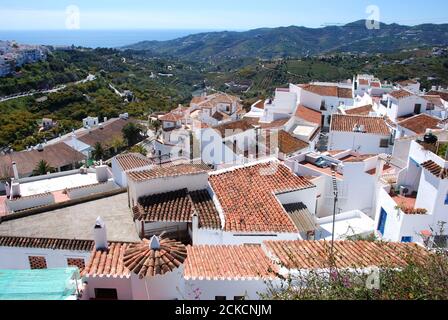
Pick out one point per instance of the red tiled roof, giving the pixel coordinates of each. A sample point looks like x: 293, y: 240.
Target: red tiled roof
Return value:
x: 347, y: 254
x: 230, y: 128
x: 435, y: 100
x: 375, y: 84
x: 442, y: 94
x: 286, y: 143
x: 169, y: 171
x: 364, y: 82
x: 400, y: 94
x: 108, y: 262
x: 407, y: 82
x: 170, y: 117
x: 358, y: 157
x: 178, y: 206
x: 364, y: 110
x: 346, y: 123
x: 130, y: 161
x: 435, y: 169
x: 309, y: 115
x: 228, y: 262
x: 247, y: 197
x: 328, y: 91
x: 260, y: 104
x: 145, y: 261
x: 56, y: 155
x: 104, y: 134
x: 47, y: 243
x: 420, y: 123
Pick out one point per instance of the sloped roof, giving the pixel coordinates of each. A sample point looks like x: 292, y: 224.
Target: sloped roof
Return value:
x: 56, y: 155
x: 363, y: 110
x: 401, y: 94
x: 309, y: 115
x: 328, y: 91
x: 228, y: 262
x: 104, y: 134
x: 108, y: 262
x: 347, y: 254
x: 146, y: 260
x: 346, y: 123
x: 420, y: 123
x: 168, y: 171
x: 435, y: 169
x: 47, y: 243
x: 131, y: 161
x: 247, y: 198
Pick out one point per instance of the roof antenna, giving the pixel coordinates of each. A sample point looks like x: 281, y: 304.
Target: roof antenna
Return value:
x: 336, y: 199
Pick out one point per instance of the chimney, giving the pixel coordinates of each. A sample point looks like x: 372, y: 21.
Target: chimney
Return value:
x: 100, y: 235
x: 380, y: 168
x: 154, y: 244
x: 16, y: 172
x: 105, y: 119
x: 195, y: 227
x: 102, y: 173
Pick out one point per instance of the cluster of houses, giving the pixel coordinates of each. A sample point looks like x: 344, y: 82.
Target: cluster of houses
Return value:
x: 14, y: 55
x: 246, y: 198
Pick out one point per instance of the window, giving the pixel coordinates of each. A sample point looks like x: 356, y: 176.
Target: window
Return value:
x: 446, y: 200
x: 75, y: 262
x: 384, y: 143
x: 406, y: 239
x: 220, y: 298
x: 238, y: 298
x: 106, y: 294
x: 37, y: 263
x: 430, y: 106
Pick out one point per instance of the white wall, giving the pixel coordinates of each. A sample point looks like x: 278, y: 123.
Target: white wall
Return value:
x: 14, y: 258
x: 363, y: 143
x: 78, y: 193
x: 29, y: 202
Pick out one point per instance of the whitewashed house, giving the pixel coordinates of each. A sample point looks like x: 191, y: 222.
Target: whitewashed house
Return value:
x: 362, y: 134
x: 411, y: 209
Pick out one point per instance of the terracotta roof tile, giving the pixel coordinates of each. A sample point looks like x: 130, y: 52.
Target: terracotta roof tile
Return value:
x: 131, y: 161
x: 179, y: 206
x: 435, y: 169
x: 56, y: 155
x: 228, y: 262
x: 146, y: 261
x: 442, y: 94
x: 309, y: 115
x: 400, y: 94
x: 328, y: 91
x: 104, y: 134
x: 363, y: 110
x: 47, y: 243
x: 286, y: 143
x: 420, y: 123
x: 346, y: 123
x: 169, y: 171
x: 348, y: 254
x: 170, y: 117
x: 247, y: 197
x: 107, y: 262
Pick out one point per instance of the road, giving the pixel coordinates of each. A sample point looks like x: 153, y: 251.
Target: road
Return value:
x: 89, y: 78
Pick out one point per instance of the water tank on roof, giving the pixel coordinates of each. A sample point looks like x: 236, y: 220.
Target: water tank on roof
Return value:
x: 430, y: 138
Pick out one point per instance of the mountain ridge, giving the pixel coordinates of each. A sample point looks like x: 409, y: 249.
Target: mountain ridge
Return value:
x: 297, y: 41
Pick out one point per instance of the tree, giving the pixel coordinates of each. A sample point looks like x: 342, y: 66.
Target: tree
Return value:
x: 139, y: 149
x: 98, y: 152
x: 43, y: 168
x: 132, y: 133
x: 117, y: 144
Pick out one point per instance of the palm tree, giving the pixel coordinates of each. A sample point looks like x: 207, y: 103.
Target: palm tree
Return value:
x: 131, y: 133
x: 117, y: 144
x: 139, y: 149
x: 98, y: 152
x: 43, y: 168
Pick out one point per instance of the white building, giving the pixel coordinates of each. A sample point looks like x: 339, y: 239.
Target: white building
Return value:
x: 411, y: 209
x: 362, y: 134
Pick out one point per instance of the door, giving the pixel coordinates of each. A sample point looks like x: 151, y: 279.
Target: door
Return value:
x: 382, y: 223
x: 418, y: 109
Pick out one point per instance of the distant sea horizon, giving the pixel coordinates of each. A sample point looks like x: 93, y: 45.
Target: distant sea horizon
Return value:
x: 94, y: 38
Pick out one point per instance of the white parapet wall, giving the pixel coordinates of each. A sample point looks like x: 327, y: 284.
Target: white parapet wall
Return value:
x: 81, y: 192
x: 24, y: 203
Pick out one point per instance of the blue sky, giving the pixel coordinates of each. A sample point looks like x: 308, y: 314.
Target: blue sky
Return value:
x: 211, y: 14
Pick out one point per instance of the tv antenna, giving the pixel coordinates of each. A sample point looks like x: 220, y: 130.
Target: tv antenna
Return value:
x: 336, y: 199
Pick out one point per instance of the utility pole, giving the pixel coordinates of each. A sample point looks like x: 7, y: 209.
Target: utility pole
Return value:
x: 336, y: 198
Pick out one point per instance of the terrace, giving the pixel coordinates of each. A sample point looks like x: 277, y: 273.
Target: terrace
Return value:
x: 406, y: 203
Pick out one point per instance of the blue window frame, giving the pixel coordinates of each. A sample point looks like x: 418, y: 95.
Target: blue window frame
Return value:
x: 406, y: 239
x: 382, y: 222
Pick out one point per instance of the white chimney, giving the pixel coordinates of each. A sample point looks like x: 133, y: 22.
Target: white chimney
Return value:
x: 195, y: 227
x: 154, y: 244
x: 15, y: 190
x: 16, y: 172
x: 102, y: 174
x: 100, y: 235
